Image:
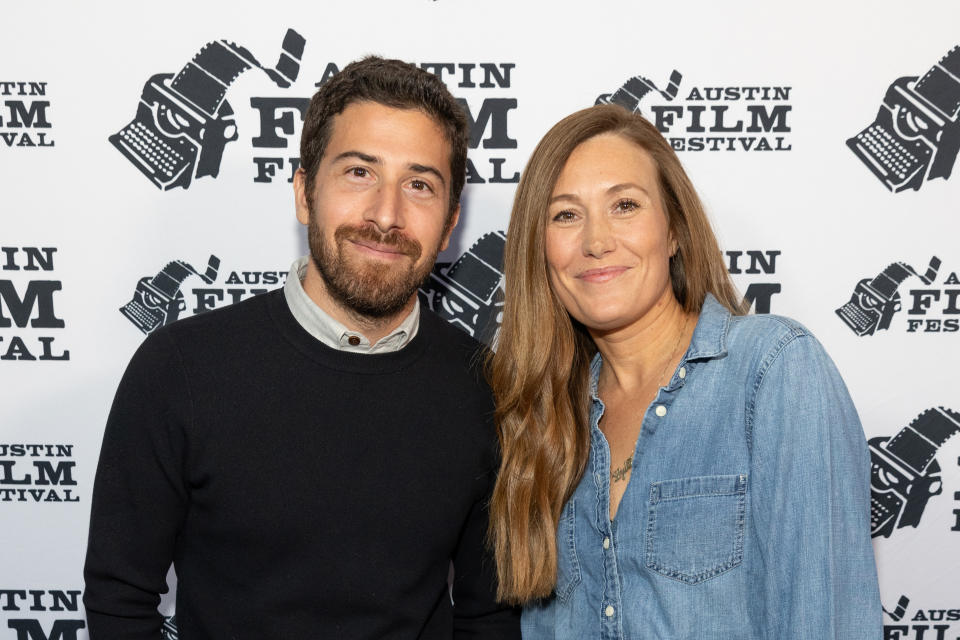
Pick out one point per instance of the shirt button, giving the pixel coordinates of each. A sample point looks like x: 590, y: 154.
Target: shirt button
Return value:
x: 682, y: 373
x: 606, y: 543
x: 661, y: 410
x: 608, y: 611
x: 353, y: 340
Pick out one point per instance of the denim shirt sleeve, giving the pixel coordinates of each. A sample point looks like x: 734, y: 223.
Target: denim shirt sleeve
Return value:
x: 810, y: 487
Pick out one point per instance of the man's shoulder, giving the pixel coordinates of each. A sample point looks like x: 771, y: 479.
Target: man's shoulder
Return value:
x: 457, y: 357
x: 235, y: 322
x: 448, y: 339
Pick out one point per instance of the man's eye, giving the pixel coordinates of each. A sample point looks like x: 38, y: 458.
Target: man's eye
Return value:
x: 420, y: 185
x: 359, y: 172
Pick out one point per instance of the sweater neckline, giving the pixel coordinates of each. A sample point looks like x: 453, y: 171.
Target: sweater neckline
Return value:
x: 362, y: 363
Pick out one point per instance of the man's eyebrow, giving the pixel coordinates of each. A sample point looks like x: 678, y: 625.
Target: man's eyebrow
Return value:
x: 423, y: 168
x: 358, y: 155
x: 366, y: 157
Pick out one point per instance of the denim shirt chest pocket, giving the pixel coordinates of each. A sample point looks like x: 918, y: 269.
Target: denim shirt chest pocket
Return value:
x: 695, y: 526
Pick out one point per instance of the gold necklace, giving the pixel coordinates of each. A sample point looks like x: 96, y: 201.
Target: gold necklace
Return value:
x: 620, y: 473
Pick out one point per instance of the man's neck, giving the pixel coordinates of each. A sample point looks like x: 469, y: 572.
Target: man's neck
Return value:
x: 372, y: 328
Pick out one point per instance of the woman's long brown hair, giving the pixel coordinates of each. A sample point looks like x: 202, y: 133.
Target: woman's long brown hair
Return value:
x: 540, y: 370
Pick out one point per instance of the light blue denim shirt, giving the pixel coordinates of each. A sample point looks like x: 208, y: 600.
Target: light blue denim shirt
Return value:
x: 748, y: 511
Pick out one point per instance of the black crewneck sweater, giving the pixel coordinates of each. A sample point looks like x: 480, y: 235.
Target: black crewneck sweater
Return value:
x: 301, y: 491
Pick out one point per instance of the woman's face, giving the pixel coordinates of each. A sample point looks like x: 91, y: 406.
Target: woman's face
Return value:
x: 608, y: 244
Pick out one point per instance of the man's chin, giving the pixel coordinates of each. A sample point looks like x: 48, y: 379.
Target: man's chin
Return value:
x: 377, y: 290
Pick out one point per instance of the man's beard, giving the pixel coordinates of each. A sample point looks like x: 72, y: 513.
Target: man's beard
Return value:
x: 369, y: 288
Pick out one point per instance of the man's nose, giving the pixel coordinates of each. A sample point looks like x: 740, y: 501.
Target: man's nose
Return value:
x: 386, y: 209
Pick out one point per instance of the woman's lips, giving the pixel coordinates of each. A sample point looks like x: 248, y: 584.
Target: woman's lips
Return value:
x: 603, y: 274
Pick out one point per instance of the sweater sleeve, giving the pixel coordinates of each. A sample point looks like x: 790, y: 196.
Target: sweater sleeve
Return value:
x: 810, y: 488
x: 477, y: 614
x: 139, y: 496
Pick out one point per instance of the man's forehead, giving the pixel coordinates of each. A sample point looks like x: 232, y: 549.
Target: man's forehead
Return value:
x: 367, y: 113
x: 384, y: 133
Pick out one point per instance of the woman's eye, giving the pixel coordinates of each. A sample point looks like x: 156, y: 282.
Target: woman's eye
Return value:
x: 564, y: 216
x: 626, y: 205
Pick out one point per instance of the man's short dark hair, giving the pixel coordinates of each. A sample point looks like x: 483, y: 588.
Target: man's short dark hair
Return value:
x: 392, y: 83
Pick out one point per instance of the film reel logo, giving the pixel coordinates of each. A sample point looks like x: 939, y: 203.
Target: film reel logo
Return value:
x: 469, y: 292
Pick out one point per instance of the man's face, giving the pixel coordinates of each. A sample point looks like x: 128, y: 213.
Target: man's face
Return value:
x: 377, y: 214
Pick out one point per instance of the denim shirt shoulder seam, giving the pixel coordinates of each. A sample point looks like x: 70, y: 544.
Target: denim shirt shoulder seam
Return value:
x: 794, y: 331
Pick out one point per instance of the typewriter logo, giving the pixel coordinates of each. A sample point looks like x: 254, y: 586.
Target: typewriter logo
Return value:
x: 183, y: 123
x: 916, y: 134
x: 904, y: 473
x: 469, y: 293
x: 874, y: 301
x: 158, y: 301
x: 636, y: 88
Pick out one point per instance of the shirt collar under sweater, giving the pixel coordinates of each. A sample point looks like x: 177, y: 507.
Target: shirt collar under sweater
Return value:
x: 324, y: 328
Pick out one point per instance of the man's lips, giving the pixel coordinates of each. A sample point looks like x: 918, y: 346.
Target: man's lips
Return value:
x: 377, y: 248
x: 602, y: 274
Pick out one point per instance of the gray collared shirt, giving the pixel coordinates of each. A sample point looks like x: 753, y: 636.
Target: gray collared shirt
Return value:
x: 324, y: 328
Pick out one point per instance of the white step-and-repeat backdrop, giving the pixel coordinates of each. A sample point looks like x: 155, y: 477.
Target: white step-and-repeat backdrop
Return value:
x: 823, y: 137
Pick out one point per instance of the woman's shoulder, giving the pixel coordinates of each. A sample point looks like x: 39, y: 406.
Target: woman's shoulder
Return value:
x: 765, y: 330
x: 765, y: 339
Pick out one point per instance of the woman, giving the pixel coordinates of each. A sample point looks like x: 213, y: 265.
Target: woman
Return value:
x: 671, y: 468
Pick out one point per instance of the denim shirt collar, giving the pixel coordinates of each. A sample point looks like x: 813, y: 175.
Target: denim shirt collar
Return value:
x: 709, y: 340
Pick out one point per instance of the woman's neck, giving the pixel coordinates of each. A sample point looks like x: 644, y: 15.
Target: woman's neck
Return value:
x: 639, y: 356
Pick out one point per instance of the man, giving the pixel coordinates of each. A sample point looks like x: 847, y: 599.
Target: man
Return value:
x: 312, y: 459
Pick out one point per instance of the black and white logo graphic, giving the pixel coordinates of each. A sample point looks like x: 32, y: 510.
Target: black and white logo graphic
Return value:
x: 35, y: 613
x: 183, y: 123
x: 710, y: 118
x: 898, y: 611
x: 902, y: 613
x: 874, y: 301
x: 38, y: 473
x: 916, y: 134
x: 161, y: 299
x: 157, y: 301
x: 469, y: 293
x: 24, y: 120
x: 169, y: 629
x: 634, y: 90
x: 753, y: 270
x: 29, y: 325
x: 904, y: 473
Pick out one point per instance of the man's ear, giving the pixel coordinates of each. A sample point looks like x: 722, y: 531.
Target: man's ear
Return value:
x: 454, y: 219
x: 300, y: 196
